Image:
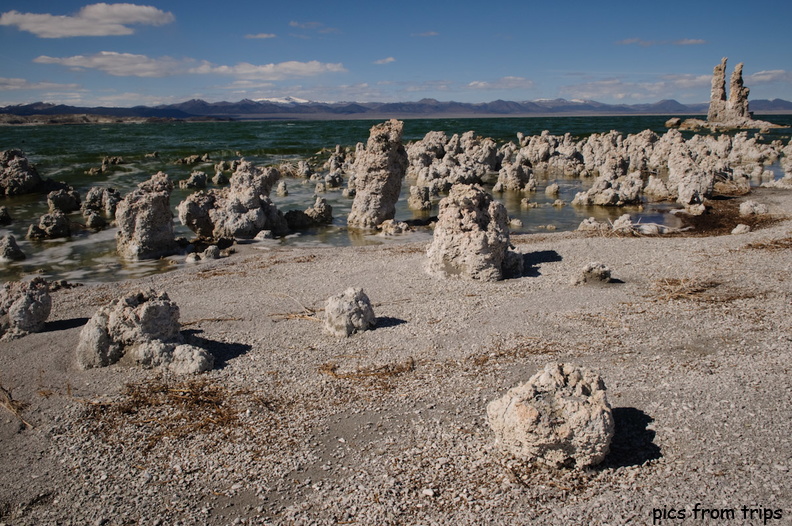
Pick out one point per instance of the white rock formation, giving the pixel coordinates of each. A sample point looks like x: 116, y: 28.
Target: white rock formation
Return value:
x: 24, y: 307
x: 560, y: 417
x: 593, y: 273
x: 17, y: 175
x: 378, y: 172
x: 50, y: 226
x: 9, y: 250
x: 348, y: 313
x: 142, y: 327
x: 145, y: 221
x: 471, y: 238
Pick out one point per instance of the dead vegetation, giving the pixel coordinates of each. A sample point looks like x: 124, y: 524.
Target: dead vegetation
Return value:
x: 165, y: 408
x: 674, y: 289
x: 382, y: 371
x: 12, y: 406
x: 775, y: 244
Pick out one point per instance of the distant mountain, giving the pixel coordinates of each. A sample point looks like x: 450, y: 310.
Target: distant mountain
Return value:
x: 291, y: 108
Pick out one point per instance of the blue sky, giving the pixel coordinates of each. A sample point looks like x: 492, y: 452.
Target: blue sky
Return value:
x: 167, y: 51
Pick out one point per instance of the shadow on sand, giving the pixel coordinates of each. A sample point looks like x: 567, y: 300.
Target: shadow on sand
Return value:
x: 223, y: 352
x: 632, y: 443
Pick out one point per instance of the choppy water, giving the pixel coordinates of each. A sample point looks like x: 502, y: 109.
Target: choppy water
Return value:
x: 66, y: 153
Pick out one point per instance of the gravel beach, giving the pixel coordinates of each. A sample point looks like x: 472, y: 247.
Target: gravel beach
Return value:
x: 692, y: 338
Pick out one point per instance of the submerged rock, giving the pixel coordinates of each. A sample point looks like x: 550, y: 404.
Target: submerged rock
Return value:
x: 560, y: 416
x: 471, y: 238
x: 145, y: 221
x: 348, y: 313
x: 378, y: 172
x: 142, y: 327
x: 24, y: 308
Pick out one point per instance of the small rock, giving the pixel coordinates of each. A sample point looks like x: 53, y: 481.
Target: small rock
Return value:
x: 348, y: 313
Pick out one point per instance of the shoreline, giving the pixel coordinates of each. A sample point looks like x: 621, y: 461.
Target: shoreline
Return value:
x: 388, y: 426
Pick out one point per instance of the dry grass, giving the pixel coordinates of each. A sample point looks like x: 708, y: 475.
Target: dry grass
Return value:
x: 383, y: 371
x: 776, y: 244
x: 161, y: 408
x: 671, y: 289
x: 14, y: 407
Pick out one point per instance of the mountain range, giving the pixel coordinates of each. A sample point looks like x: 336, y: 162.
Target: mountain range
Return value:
x: 299, y: 109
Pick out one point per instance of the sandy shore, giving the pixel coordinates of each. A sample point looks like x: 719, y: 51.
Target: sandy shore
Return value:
x: 693, y: 341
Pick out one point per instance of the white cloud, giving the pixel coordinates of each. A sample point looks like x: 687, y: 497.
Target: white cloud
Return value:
x: 9, y: 84
x: 92, y: 20
x: 503, y: 83
x: 385, y: 60
x: 665, y: 87
x: 772, y: 75
x: 119, y: 64
x: 129, y: 65
x: 648, y: 43
x: 280, y: 71
x: 262, y: 35
x: 313, y: 26
x: 426, y: 34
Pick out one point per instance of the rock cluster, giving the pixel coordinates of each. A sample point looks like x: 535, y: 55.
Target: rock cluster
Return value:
x: 24, y: 307
x: 17, y: 175
x: 377, y: 176
x: 145, y: 221
x: 50, y: 226
x: 142, y: 328
x: 240, y: 211
x: 348, y: 313
x: 471, y: 238
x: 560, y: 416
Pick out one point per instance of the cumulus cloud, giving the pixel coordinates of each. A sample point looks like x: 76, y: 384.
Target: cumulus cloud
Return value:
x: 130, y: 65
x: 385, y: 60
x: 9, y: 84
x: 280, y: 71
x: 119, y: 64
x: 768, y: 76
x: 262, y: 35
x: 503, y: 83
x: 92, y: 20
x: 648, y: 43
x: 664, y: 87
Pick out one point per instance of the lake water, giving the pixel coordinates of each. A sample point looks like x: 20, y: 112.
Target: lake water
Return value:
x: 66, y: 153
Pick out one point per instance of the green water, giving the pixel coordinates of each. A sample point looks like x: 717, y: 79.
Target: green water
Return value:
x: 66, y: 153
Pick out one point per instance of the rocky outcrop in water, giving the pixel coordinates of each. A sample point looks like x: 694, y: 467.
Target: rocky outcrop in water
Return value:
x: 145, y: 221
x: 240, y: 211
x: 471, y: 237
x: 9, y: 250
x: 378, y: 172
x: 321, y: 213
x: 65, y: 200
x: 727, y: 112
x: 348, y: 313
x: 50, y: 226
x: 17, y: 175
x: 143, y: 328
x: 560, y: 417
x: 24, y: 308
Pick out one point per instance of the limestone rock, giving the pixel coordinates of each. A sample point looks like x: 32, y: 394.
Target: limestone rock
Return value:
x: 17, y: 175
x: 393, y: 228
x: 64, y: 200
x: 593, y: 273
x: 240, y: 211
x: 145, y: 221
x: 50, y: 226
x: 751, y: 208
x: 378, y: 172
x: 196, y: 180
x: 741, y: 229
x: 560, y: 416
x: 102, y: 201
x: 348, y: 313
x: 9, y: 250
x: 144, y: 327
x: 24, y: 307
x: 419, y: 198
x: 471, y: 238
x: 5, y: 216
